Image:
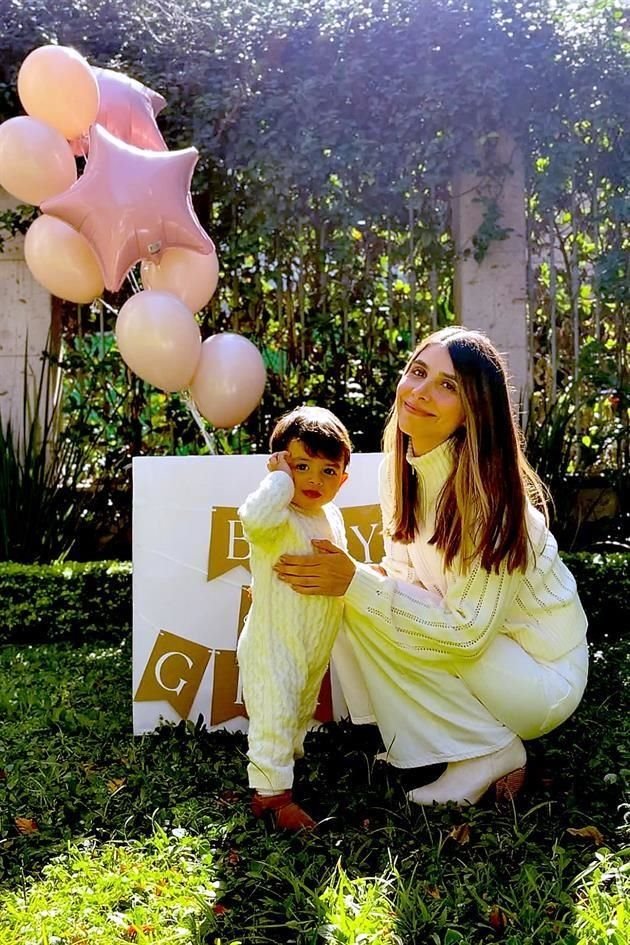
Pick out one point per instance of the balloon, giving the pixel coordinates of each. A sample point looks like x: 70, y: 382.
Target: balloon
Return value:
x: 128, y: 110
x: 188, y: 275
x: 159, y: 339
x: 36, y: 161
x: 131, y: 204
x: 57, y: 85
x: 62, y: 260
x: 229, y: 380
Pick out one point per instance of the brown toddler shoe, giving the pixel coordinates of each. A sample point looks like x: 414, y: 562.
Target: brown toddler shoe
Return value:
x: 282, y: 811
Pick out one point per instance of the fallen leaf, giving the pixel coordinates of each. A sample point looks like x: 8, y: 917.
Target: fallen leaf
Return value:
x: 116, y: 784
x: 3, y: 774
x: 219, y: 909
x: 233, y: 857
x: 497, y: 919
x: 26, y: 825
x: 228, y: 798
x: 79, y: 937
x: 460, y: 834
x: 131, y: 932
x: 588, y: 833
x: 433, y: 892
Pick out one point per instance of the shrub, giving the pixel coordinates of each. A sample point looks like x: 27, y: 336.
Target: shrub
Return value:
x: 604, y: 584
x: 69, y: 601
x: 81, y: 602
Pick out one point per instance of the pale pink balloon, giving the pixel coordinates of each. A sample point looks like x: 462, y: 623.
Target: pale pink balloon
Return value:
x: 57, y: 85
x: 190, y: 276
x: 132, y: 204
x: 62, y: 260
x: 128, y: 110
x: 36, y: 161
x: 159, y: 339
x: 230, y: 379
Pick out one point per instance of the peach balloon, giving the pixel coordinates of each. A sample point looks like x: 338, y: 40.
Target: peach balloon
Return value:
x: 230, y: 379
x: 36, y: 161
x: 62, y: 260
x: 159, y: 339
x: 191, y: 276
x: 57, y: 85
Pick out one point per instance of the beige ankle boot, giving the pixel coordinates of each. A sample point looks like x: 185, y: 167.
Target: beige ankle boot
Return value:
x: 465, y: 782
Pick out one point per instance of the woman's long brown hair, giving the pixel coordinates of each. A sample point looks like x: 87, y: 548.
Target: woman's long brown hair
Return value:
x: 481, y: 509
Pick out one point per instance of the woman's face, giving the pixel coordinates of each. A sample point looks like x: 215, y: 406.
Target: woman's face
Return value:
x: 428, y: 399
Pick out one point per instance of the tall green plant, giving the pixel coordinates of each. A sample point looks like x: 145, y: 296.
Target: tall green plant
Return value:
x: 43, y: 494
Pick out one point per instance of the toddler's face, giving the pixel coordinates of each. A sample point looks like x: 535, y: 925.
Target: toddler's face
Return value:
x: 317, y: 480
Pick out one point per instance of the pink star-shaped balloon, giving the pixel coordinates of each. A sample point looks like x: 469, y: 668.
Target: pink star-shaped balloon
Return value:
x: 127, y: 109
x: 131, y: 204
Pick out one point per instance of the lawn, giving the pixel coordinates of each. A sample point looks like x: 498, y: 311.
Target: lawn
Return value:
x: 106, y: 838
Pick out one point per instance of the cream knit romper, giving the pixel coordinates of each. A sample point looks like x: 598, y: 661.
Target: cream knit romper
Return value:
x: 286, y: 643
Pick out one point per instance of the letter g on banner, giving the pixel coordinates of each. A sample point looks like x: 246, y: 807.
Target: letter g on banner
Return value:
x: 173, y: 672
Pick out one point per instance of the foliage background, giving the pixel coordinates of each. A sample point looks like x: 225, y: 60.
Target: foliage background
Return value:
x: 330, y: 137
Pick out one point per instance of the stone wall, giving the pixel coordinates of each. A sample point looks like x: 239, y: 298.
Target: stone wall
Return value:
x: 25, y: 320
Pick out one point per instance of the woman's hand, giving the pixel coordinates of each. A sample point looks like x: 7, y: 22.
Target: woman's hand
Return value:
x: 327, y: 574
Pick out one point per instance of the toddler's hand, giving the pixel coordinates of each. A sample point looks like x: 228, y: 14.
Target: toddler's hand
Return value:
x: 279, y: 461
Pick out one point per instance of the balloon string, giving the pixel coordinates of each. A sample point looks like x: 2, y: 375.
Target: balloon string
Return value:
x: 133, y: 279
x: 208, y: 437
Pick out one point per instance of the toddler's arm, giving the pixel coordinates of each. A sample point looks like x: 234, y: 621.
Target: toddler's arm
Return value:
x: 267, y: 508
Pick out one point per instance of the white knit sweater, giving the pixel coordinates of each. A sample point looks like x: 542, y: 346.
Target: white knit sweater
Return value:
x: 448, y: 616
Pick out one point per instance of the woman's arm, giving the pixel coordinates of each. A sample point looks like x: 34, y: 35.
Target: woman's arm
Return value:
x: 460, y: 626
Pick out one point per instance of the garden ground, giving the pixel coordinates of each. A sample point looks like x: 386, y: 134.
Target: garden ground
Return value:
x: 106, y: 838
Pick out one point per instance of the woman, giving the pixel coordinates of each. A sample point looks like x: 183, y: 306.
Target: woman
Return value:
x: 470, y: 637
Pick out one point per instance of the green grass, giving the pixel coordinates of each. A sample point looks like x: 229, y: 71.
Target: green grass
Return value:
x: 106, y: 838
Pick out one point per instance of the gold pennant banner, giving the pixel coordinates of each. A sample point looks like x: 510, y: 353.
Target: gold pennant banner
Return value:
x: 229, y: 548
x: 173, y: 672
x: 364, y: 533
x: 227, y: 697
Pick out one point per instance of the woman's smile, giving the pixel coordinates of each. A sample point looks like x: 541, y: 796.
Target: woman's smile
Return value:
x: 415, y: 408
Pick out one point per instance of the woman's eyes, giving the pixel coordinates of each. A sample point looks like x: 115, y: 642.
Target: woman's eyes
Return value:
x: 420, y: 372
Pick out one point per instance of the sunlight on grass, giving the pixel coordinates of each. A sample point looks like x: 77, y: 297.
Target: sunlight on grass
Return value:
x: 358, y: 911
x: 603, y: 906
x: 162, y: 889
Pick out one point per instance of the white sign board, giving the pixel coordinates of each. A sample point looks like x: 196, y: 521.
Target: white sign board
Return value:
x: 190, y: 574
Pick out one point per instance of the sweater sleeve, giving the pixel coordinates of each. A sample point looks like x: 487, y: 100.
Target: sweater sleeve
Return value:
x: 267, y: 508
x: 459, y: 627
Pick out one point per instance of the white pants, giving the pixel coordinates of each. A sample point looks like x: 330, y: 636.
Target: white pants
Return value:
x: 430, y: 713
